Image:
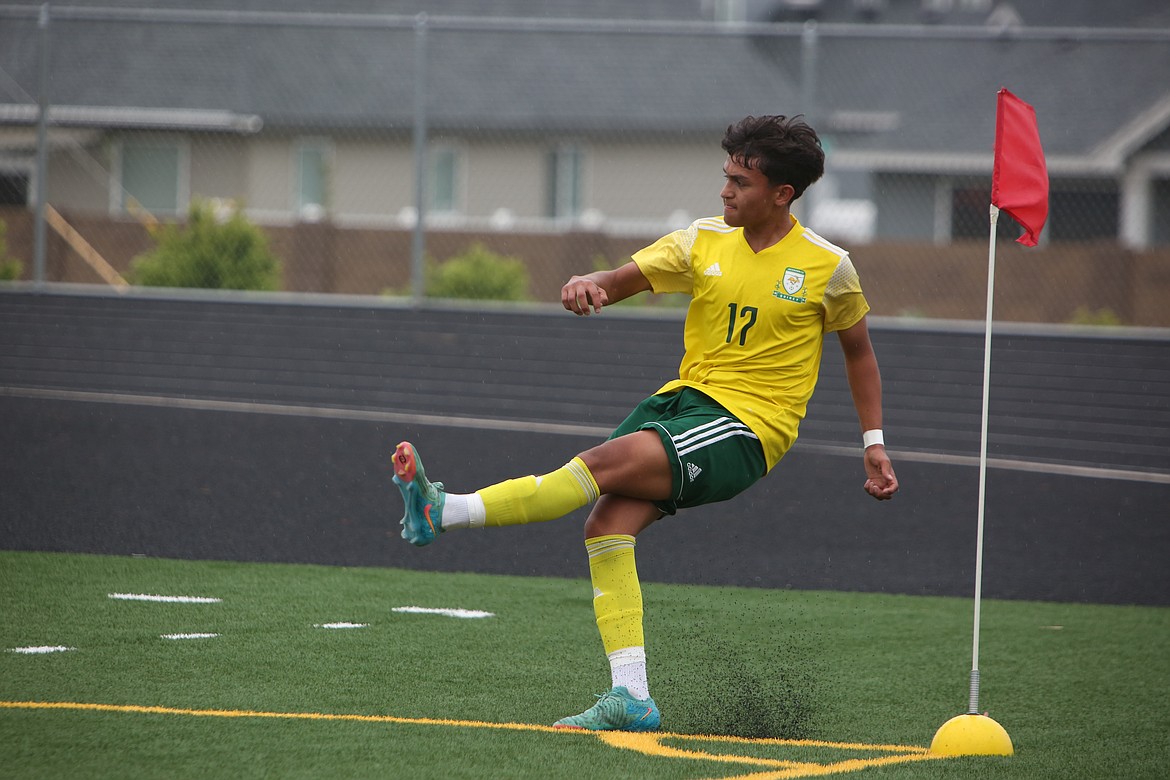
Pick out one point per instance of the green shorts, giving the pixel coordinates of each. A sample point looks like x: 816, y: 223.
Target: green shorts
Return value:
x: 713, y: 456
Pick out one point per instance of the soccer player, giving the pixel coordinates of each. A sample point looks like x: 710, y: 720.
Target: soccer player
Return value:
x: 764, y: 292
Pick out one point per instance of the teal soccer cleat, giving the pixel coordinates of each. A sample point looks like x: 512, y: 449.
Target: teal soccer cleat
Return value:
x: 424, y: 500
x: 616, y: 711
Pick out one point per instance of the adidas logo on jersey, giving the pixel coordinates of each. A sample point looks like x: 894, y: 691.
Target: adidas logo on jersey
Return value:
x: 693, y: 471
x: 713, y: 270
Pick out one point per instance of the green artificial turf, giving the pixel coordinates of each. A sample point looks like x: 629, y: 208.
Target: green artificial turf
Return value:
x: 1083, y: 690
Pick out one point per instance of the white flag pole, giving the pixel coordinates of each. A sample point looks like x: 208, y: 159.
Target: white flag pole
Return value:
x: 973, y: 704
x: 974, y: 734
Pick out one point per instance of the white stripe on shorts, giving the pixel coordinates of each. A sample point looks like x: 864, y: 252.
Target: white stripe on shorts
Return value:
x: 710, y: 433
x: 701, y: 430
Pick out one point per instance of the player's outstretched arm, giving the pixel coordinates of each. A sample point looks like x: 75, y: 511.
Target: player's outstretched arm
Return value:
x: 584, y: 295
x: 865, y: 384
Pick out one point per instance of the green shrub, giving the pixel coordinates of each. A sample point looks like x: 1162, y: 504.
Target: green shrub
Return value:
x: 478, y: 274
x: 1087, y: 316
x: 11, y: 269
x: 206, y: 252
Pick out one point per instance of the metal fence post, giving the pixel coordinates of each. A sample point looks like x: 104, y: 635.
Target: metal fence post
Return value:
x: 419, y: 240
x: 809, y: 39
x: 809, y: 63
x: 42, y: 149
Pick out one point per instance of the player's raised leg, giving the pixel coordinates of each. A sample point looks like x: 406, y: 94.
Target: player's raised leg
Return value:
x: 430, y: 509
x: 633, y: 465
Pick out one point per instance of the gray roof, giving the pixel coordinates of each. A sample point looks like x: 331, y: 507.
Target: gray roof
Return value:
x: 1085, y: 94
x: 906, y: 94
x: 1142, y: 14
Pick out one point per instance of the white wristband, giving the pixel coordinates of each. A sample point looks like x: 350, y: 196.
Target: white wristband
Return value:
x: 872, y: 437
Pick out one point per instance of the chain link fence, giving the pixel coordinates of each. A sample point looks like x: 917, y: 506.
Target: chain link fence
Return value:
x: 401, y: 155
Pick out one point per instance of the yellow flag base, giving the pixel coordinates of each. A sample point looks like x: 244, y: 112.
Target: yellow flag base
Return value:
x: 971, y: 735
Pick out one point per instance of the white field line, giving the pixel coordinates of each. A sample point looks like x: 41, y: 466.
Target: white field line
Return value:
x: 188, y: 636
x: 455, y: 613
x: 341, y: 625
x: 165, y: 599
x: 591, y: 431
x: 41, y: 650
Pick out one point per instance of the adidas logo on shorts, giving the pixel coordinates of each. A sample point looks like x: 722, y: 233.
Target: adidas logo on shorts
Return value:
x: 693, y: 471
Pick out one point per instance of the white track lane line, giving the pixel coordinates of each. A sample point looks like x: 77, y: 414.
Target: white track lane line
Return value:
x: 488, y: 424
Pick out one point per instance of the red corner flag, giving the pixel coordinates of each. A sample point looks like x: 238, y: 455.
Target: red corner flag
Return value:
x: 1019, y: 180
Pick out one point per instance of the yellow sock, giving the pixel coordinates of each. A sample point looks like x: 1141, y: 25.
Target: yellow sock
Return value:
x: 536, y: 499
x: 617, y: 594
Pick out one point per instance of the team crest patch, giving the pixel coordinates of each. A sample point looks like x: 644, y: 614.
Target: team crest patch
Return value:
x: 791, y: 286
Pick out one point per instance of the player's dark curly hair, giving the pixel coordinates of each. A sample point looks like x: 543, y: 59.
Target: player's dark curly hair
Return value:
x: 785, y: 149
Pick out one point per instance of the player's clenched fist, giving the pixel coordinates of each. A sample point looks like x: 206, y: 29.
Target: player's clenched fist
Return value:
x: 881, y: 482
x: 582, y: 295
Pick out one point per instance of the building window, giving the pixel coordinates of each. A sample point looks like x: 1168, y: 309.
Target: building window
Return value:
x: 152, y: 176
x: 313, y: 164
x: 13, y: 188
x: 443, y: 186
x: 1160, y: 206
x: 970, y: 213
x: 566, y: 181
x: 1084, y: 211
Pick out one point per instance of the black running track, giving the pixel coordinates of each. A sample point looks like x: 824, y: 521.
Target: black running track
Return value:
x: 233, y: 429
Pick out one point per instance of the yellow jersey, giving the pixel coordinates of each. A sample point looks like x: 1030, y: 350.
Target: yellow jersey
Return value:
x: 756, y: 322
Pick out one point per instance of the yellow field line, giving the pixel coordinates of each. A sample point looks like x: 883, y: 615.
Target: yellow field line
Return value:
x: 154, y: 710
x: 650, y: 744
x: 795, y: 742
